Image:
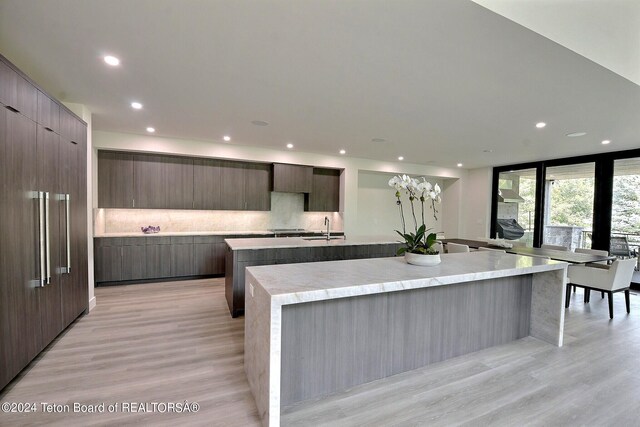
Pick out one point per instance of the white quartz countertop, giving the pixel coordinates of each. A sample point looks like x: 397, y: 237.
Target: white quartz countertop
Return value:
x: 305, y: 282
x: 301, y: 242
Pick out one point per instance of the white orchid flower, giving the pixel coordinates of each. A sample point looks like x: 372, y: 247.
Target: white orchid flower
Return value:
x: 433, y: 195
x: 436, y: 188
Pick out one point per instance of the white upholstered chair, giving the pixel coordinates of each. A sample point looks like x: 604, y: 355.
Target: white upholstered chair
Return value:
x: 554, y: 247
x: 592, y: 252
x: 453, y: 248
x: 438, y: 247
x: 608, y: 278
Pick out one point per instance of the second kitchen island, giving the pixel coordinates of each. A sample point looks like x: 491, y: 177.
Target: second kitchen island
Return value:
x: 242, y: 253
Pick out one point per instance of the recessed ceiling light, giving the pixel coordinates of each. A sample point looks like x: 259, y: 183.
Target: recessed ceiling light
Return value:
x: 289, y: 145
x: 151, y: 130
x: 260, y: 123
x: 378, y: 140
x: 540, y: 125
x: 112, y: 60
x: 401, y: 158
x: 343, y: 152
x: 459, y: 165
x: 136, y: 105
x: 226, y: 138
x: 606, y: 141
x: 576, y: 134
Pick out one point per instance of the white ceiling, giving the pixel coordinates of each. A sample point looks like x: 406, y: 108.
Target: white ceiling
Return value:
x: 441, y: 81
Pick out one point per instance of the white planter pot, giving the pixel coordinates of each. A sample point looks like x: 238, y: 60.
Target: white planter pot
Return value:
x: 424, y: 260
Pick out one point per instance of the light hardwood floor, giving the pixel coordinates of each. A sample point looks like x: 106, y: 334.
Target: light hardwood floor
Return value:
x: 171, y: 342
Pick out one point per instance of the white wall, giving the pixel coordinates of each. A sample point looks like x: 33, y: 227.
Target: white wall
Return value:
x: 476, y: 203
x: 351, y: 166
x: 377, y: 209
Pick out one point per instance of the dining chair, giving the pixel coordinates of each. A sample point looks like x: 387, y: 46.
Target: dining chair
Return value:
x: 592, y: 252
x: 608, y: 278
x: 555, y: 247
x: 482, y: 248
x: 619, y: 246
x: 438, y: 247
x: 453, y: 248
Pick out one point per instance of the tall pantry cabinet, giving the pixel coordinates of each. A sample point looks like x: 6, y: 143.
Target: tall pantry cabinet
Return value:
x: 43, y: 227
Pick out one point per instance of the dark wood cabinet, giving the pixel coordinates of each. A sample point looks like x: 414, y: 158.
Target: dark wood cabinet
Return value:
x: 115, y: 180
x: 73, y: 222
x: 134, y: 261
x: 182, y: 261
x: 325, y: 191
x: 149, y: 181
x: 292, y: 178
x: 206, y: 184
x: 232, y: 181
x: 162, y: 182
x: 37, y: 171
x: 108, y: 260
x: 257, y: 186
x: 50, y: 296
x: 19, y: 312
x: 16, y: 93
x: 158, y: 257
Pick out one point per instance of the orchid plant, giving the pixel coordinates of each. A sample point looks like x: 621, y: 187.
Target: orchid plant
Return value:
x: 418, y: 241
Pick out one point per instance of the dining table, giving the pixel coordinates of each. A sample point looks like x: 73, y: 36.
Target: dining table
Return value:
x: 558, y: 255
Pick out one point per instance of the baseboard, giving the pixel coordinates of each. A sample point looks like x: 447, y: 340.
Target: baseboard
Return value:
x: 92, y: 303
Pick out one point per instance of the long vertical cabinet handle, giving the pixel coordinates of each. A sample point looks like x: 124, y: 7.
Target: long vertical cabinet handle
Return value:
x: 47, y: 236
x: 67, y: 217
x: 42, y: 264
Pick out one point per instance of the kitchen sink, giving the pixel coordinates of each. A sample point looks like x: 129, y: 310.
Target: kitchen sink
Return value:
x: 323, y: 238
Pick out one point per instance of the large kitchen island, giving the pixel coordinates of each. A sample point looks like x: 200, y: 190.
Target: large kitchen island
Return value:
x: 243, y: 253
x: 313, y: 329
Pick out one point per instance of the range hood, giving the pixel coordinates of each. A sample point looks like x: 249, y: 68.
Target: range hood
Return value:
x: 509, y: 196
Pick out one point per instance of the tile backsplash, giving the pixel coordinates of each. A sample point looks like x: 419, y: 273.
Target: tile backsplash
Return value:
x: 287, y: 211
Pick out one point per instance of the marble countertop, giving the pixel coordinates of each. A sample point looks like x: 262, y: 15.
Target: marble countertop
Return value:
x: 193, y: 233
x: 301, y: 242
x: 297, y: 283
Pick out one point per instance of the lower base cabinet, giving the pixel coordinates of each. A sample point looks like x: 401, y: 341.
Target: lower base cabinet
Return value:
x: 124, y: 259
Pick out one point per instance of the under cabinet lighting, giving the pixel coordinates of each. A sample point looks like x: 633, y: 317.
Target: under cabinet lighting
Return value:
x: 289, y: 145
x: 606, y: 141
x: 227, y: 138
x: 459, y: 165
x: 136, y: 105
x: 151, y: 130
x: 540, y: 125
x: 401, y: 158
x: 343, y: 152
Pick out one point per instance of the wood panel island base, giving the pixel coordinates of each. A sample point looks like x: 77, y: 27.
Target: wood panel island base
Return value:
x: 315, y: 329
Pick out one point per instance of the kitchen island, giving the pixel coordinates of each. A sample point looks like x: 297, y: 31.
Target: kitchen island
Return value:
x: 314, y: 329
x: 242, y: 253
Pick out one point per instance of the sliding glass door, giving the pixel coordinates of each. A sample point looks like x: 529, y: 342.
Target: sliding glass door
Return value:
x: 516, y: 200
x: 568, y: 205
x: 625, y: 210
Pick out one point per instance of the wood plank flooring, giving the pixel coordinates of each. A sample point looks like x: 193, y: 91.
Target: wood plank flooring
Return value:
x: 170, y: 342
x: 164, y: 342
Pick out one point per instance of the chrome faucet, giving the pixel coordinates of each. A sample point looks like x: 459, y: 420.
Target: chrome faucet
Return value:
x: 327, y: 222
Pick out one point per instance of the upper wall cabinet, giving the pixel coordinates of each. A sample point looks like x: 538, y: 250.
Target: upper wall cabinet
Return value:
x: 162, y: 182
x: 17, y: 93
x: 292, y: 178
x: 149, y: 181
x: 49, y: 114
x: 115, y: 180
x: 325, y: 191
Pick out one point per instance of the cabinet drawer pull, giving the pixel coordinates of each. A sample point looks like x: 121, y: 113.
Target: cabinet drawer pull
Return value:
x: 67, y: 220
x: 10, y: 108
